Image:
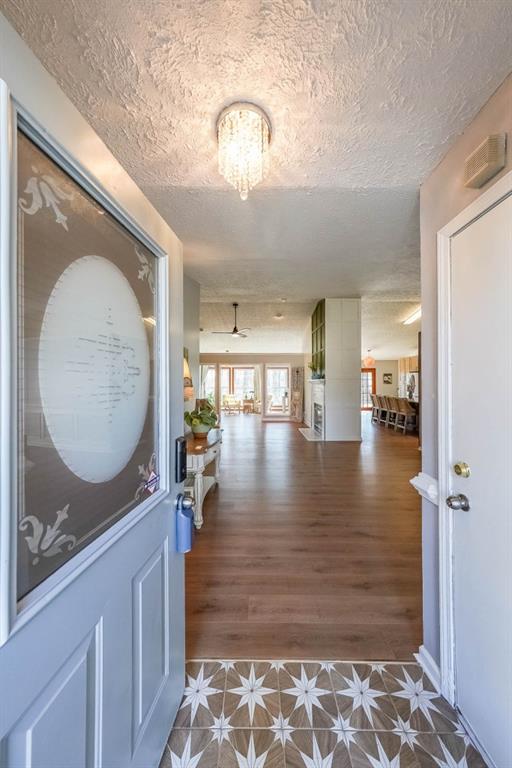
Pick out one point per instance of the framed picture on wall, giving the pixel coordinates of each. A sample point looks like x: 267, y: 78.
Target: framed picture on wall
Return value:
x: 387, y: 378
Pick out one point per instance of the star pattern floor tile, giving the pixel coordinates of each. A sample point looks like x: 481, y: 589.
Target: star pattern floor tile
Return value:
x: 290, y: 714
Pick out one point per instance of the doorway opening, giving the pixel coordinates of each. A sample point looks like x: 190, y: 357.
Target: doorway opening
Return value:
x: 277, y: 390
x: 368, y: 387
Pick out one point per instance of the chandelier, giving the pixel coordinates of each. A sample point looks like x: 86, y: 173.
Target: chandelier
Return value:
x: 243, y: 133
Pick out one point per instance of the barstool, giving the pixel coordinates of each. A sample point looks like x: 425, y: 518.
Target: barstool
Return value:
x: 393, y: 408
x: 383, y: 409
x: 375, y: 409
x: 406, y: 415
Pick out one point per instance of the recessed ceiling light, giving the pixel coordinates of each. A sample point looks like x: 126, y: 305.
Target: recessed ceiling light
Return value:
x: 412, y: 319
x: 283, y: 300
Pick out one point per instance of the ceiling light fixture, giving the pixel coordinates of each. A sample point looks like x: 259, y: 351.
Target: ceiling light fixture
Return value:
x: 243, y: 133
x: 369, y: 361
x: 412, y: 319
x: 278, y: 316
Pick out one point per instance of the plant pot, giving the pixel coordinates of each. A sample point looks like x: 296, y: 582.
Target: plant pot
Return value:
x: 201, y: 431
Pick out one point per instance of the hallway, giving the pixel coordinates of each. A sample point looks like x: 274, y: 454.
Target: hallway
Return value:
x: 308, y: 550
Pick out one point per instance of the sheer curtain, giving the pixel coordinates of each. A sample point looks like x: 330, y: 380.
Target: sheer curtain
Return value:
x: 203, y: 373
x: 257, y: 387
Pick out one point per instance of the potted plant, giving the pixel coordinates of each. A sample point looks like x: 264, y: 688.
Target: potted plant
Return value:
x: 315, y: 373
x: 201, y: 420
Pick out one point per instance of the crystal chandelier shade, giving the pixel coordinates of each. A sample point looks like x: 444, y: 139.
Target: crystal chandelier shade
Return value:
x: 243, y: 133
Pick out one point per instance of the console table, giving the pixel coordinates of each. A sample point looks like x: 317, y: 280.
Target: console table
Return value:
x: 201, y: 454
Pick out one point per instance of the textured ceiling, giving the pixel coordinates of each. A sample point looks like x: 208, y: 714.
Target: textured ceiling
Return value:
x: 360, y: 92
x: 382, y: 327
x: 266, y: 334
x: 364, y: 96
x: 383, y: 331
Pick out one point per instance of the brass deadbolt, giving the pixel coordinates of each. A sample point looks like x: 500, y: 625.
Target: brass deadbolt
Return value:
x: 462, y: 469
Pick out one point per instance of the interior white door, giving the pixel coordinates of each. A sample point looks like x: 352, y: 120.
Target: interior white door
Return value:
x: 481, y: 407
x: 92, y: 661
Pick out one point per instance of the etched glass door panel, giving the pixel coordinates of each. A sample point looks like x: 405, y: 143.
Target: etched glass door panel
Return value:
x: 86, y: 368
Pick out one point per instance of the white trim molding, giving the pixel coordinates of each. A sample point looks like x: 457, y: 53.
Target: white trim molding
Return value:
x: 489, y: 199
x: 429, y: 666
x: 427, y: 487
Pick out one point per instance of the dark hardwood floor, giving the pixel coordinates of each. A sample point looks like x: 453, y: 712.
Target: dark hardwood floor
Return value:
x: 308, y: 550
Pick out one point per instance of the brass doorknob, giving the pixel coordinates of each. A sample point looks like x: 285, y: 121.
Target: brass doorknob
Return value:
x: 462, y: 469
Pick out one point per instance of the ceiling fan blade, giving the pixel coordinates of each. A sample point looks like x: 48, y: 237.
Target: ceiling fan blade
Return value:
x: 241, y: 335
x: 242, y: 330
x: 223, y: 333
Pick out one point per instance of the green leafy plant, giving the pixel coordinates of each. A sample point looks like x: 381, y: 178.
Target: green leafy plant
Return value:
x: 205, y: 416
x: 315, y: 373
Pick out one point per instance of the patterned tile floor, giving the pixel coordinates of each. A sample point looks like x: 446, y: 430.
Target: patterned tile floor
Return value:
x: 273, y: 714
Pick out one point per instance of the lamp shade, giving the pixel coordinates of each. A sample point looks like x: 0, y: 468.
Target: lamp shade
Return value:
x: 188, y: 387
x: 368, y: 361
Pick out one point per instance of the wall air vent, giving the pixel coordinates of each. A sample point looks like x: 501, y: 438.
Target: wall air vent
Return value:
x: 485, y: 161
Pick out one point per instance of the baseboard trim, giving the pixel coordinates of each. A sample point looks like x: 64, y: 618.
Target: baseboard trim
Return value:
x: 429, y: 666
x: 476, y: 742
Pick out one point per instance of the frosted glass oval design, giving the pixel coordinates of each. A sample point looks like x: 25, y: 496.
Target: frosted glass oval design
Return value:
x: 94, y: 369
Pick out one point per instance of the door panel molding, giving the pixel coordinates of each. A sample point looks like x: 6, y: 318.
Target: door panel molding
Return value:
x: 149, y: 586
x: 77, y: 684
x: 488, y: 200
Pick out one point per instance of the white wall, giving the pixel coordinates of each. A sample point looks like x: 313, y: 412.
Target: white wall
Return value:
x: 442, y: 197
x: 386, y: 366
x: 230, y: 358
x: 307, y: 373
x: 191, y: 299
x: 343, y: 369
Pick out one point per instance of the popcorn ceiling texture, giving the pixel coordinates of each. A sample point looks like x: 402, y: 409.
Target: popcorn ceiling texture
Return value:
x: 361, y: 93
x: 364, y: 96
x: 381, y: 320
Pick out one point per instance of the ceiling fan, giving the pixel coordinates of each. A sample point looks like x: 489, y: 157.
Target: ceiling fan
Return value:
x: 239, y: 333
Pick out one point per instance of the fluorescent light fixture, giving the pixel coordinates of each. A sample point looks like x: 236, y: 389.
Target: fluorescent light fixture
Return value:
x: 412, y: 319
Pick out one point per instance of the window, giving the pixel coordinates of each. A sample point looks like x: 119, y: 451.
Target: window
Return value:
x: 367, y: 387
x: 243, y: 383
x: 237, y: 383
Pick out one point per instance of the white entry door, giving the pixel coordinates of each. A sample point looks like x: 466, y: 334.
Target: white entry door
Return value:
x: 92, y: 657
x: 477, y: 450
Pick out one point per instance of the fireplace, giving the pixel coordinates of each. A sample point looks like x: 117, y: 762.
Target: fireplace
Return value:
x: 318, y: 418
